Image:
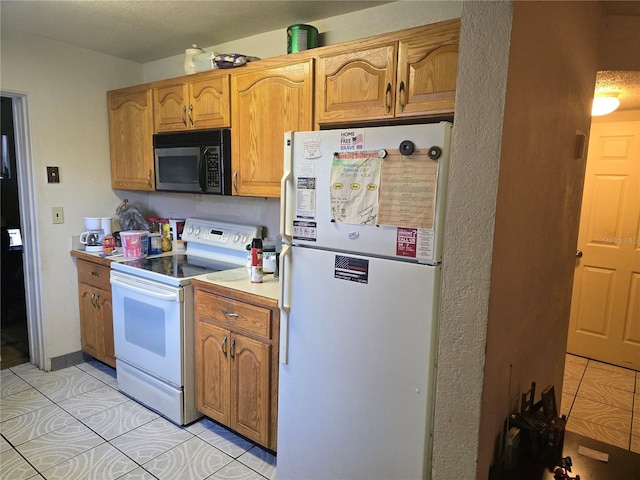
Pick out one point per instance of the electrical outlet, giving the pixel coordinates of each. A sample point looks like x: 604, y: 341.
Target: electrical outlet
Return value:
x: 57, y: 215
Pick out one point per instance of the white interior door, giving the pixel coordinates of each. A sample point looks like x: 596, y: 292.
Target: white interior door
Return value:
x: 605, y: 309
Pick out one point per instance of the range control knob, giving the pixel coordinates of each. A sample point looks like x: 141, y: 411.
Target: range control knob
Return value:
x: 236, y: 237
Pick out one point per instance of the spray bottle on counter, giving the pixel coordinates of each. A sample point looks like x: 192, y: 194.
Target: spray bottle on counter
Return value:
x: 256, y: 260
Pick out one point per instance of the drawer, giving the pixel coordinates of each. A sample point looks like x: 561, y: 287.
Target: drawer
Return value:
x: 233, y: 314
x: 94, y: 275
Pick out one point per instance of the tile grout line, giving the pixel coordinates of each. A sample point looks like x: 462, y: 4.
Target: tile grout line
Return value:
x: 109, y: 442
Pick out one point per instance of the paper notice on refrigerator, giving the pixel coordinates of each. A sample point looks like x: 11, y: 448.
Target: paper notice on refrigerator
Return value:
x: 408, y: 190
x: 355, y: 178
x: 306, y: 197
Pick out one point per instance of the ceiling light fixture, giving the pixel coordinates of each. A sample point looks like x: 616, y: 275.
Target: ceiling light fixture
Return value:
x: 604, y: 103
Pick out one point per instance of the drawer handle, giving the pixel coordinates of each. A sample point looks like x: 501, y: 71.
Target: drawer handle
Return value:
x: 96, y: 274
x: 224, y: 345
x: 230, y: 314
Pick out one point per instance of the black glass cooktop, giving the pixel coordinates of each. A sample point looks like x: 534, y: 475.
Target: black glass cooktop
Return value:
x: 180, y: 265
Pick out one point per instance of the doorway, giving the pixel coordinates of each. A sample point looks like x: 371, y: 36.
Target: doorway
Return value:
x: 605, y: 311
x: 14, y: 346
x: 24, y: 176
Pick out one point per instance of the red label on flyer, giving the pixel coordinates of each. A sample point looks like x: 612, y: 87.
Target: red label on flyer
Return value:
x: 406, y: 242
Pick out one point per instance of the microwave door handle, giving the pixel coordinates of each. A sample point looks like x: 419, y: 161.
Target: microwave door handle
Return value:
x: 202, y: 170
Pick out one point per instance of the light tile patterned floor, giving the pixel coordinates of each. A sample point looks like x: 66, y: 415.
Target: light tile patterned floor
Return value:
x: 602, y: 401
x: 74, y: 424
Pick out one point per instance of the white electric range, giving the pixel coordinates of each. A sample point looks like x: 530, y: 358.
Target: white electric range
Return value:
x: 153, y: 315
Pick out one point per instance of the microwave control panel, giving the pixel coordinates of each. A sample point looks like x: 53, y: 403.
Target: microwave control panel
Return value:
x: 214, y: 175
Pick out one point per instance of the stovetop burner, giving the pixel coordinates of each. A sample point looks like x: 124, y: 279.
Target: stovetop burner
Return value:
x: 180, y: 265
x: 212, y: 246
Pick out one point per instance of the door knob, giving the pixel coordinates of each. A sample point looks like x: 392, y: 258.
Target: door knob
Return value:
x: 579, y: 253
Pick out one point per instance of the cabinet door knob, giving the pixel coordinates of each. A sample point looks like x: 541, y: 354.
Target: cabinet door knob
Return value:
x: 232, y: 349
x: 387, y: 100
x: 224, y: 345
x: 401, y: 100
x: 184, y: 115
x: 578, y: 253
x: 190, y: 116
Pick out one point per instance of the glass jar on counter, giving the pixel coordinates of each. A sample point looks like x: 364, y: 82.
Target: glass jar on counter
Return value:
x: 154, y: 224
x: 165, y: 234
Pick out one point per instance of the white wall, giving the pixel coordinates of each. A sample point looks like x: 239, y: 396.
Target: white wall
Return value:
x: 66, y: 87
x: 364, y: 23
x: 473, y: 181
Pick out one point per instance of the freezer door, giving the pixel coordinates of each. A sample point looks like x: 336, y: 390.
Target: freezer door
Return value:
x: 356, y: 396
x: 327, y: 204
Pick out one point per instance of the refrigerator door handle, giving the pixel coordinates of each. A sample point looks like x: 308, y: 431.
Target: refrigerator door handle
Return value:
x: 284, y: 303
x: 285, y: 183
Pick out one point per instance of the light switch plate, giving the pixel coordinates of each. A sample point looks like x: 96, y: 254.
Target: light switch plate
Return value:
x: 57, y: 215
x: 53, y: 175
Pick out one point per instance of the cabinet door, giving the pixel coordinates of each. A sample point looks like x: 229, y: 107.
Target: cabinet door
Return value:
x: 212, y: 371
x: 170, y: 104
x: 90, y: 326
x: 250, y: 399
x: 356, y: 85
x: 209, y: 103
x: 265, y: 104
x: 105, y: 314
x: 131, y: 139
x: 427, y: 71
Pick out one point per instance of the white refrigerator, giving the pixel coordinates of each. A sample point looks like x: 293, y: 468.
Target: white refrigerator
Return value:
x: 362, y: 222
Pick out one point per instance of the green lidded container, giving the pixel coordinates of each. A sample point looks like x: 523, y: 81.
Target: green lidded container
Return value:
x: 301, y: 37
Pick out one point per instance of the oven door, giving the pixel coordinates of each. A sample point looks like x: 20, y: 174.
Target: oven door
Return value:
x: 148, y: 325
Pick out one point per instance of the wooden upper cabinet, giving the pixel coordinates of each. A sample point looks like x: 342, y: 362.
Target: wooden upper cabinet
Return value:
x: 407, y: 74
x: 427, y: 71
x: 356, y: 85
x: 197, y: 104
x: 266, y: 102
x: 131, y: 138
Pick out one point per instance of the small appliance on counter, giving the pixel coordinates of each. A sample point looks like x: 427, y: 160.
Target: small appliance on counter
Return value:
x: 96, y: 229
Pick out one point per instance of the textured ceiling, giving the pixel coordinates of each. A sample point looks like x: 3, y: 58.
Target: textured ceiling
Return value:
x: 147, y: 30
x: 625, y: 84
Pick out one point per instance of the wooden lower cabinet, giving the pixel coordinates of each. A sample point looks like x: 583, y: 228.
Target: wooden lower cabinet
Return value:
x: 237, y: 361
x: 96, y: 315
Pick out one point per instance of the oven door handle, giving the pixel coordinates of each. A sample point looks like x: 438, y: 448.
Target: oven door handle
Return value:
x: 169, y: 297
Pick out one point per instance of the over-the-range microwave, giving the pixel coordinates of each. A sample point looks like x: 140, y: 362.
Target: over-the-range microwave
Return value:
x: 193, y: 162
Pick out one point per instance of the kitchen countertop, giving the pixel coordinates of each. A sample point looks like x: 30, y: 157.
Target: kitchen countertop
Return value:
x: 236, y: 279
x: 97, y: 257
